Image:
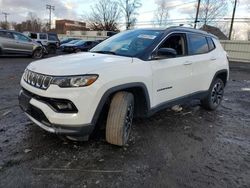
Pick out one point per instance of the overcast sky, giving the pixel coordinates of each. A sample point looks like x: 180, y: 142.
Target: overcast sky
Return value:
x: 75, y: 9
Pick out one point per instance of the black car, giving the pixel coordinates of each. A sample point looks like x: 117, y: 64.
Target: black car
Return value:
x: 67, y: 40
x: 80, y: 46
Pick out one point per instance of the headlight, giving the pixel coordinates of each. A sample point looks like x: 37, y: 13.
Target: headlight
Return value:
x: 74, y: 81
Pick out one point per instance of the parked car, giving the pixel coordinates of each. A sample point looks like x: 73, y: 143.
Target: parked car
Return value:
x: 12, y: 42
x: 64, y: 44
x: 67, y: 40
x: 49, y: 40
x: 132, y: 74
x: 80, y: 46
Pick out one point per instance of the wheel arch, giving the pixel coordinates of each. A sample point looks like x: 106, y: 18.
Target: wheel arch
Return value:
x: 141, y: 97
x: 222, y: 74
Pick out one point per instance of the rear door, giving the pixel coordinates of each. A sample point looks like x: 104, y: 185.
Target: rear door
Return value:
x: 23, y: 44
x: 7, y: 41
x: 203, y: 61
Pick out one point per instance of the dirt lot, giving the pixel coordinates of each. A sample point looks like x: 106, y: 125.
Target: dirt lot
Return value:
x: 192, y: 148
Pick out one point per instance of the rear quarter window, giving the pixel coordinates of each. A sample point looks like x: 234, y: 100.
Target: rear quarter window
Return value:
x: 197, y: 44
x: 211, y: 44
x: 42, y: 36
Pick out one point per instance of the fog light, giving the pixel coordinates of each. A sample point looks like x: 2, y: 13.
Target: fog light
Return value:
x: 64, y: 106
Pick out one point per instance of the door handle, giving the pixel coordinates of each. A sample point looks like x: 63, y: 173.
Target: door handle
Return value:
x: 212, y: 59
x: 188, y: 63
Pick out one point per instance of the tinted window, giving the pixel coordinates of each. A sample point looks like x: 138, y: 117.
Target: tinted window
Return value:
x: 53, y: 38
x: 6, y: 34
x: 33, y: 35
x: 21, y: 37
x: 197, y: 44
x: 42, y: 36
x: 210, y: 43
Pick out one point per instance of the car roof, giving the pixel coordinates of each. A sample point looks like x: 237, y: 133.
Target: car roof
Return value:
x: 180, y: 29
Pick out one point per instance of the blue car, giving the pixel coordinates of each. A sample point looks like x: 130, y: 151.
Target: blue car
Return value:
x: 71, y: 42
x: 80, y: 46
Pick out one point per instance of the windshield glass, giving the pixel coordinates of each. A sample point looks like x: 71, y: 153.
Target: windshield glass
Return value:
x: 73, y: 42
x: 128, y: 43
x: 80, y: 42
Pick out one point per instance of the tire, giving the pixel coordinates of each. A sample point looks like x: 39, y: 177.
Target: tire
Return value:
x: 120, y: 117
x: 77, y: 50
x: 52, y: 49
x: 38, y: 54
x: 214, y: 98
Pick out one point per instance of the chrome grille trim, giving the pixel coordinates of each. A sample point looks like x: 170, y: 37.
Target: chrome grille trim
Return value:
x: 37, y: 80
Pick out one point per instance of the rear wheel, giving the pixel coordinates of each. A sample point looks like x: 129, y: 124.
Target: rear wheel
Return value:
x: 214, y: 98
x: 120, y: 118
x: 52, y: 49
x: 77, y: 50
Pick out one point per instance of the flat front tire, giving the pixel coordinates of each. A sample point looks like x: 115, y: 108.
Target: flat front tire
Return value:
x: 215, y: 95
x: 120, y: 118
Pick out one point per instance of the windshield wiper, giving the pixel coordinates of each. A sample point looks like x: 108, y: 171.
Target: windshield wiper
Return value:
x: 104, y: 52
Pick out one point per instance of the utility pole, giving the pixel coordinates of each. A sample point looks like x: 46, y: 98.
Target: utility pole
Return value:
x: 50, y: 8
x: 232, y: 21
x: 197, y: 14
x: 6, y: 16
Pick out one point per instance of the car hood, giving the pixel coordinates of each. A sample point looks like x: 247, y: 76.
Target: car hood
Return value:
x: 76, y: 64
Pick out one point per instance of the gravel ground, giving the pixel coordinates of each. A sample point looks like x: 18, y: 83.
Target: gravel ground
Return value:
x: 191, y: 148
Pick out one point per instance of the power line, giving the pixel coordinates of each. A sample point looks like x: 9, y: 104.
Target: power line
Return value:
x: 170, y: 6
x: 50, y: 8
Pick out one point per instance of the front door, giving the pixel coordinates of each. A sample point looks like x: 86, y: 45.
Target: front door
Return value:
x: 172, y: 75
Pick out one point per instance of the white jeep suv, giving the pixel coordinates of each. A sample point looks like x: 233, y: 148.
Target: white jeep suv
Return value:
x: 132, y: 74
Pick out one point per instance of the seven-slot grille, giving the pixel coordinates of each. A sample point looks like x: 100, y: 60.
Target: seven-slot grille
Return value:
x: 37, y: 80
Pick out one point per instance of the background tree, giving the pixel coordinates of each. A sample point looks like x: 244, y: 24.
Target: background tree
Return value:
x: 33, y: 23
x: 104, y: 16
x: 161, y: 13
x: 4, y: 25
x: 211, y: 10
x: 129, y: 9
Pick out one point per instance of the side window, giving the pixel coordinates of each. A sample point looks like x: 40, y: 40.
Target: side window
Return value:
x: 52, y: 37
x: 210, y: 42
x: 177, y: 42
x: 33, y: 35
x: 6, y: 34
x: 43, y: 36
x: 20, y: 37
x: 197, y: 44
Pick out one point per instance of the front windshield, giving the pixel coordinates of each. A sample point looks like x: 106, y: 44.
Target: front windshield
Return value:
x: 128, y: 43
x: 73, y: 41
x: 80, y: 42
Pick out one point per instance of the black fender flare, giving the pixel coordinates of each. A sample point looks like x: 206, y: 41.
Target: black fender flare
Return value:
x: 115, y: 89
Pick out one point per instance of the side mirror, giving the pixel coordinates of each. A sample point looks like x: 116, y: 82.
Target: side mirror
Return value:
x: 163, y: 53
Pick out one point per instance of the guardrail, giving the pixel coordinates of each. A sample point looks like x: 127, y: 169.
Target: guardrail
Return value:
x: 237, y: 50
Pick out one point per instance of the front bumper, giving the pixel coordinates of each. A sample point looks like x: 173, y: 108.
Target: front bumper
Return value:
x: 39, y: 118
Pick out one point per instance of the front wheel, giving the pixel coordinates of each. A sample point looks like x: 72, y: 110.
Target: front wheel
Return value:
x: 215, y: 95
x: 38, y: 53
x: 120, y: 118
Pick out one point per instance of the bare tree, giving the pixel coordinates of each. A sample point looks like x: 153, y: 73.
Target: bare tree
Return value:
x: 33, y: 23
x: 4, y: 25
x: 161, y: 13
x: 211, y: 10
x: 104, y: 16
x: 129, y: 9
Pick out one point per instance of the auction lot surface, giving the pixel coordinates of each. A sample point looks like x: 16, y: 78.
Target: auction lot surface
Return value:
x: 191, y: 148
